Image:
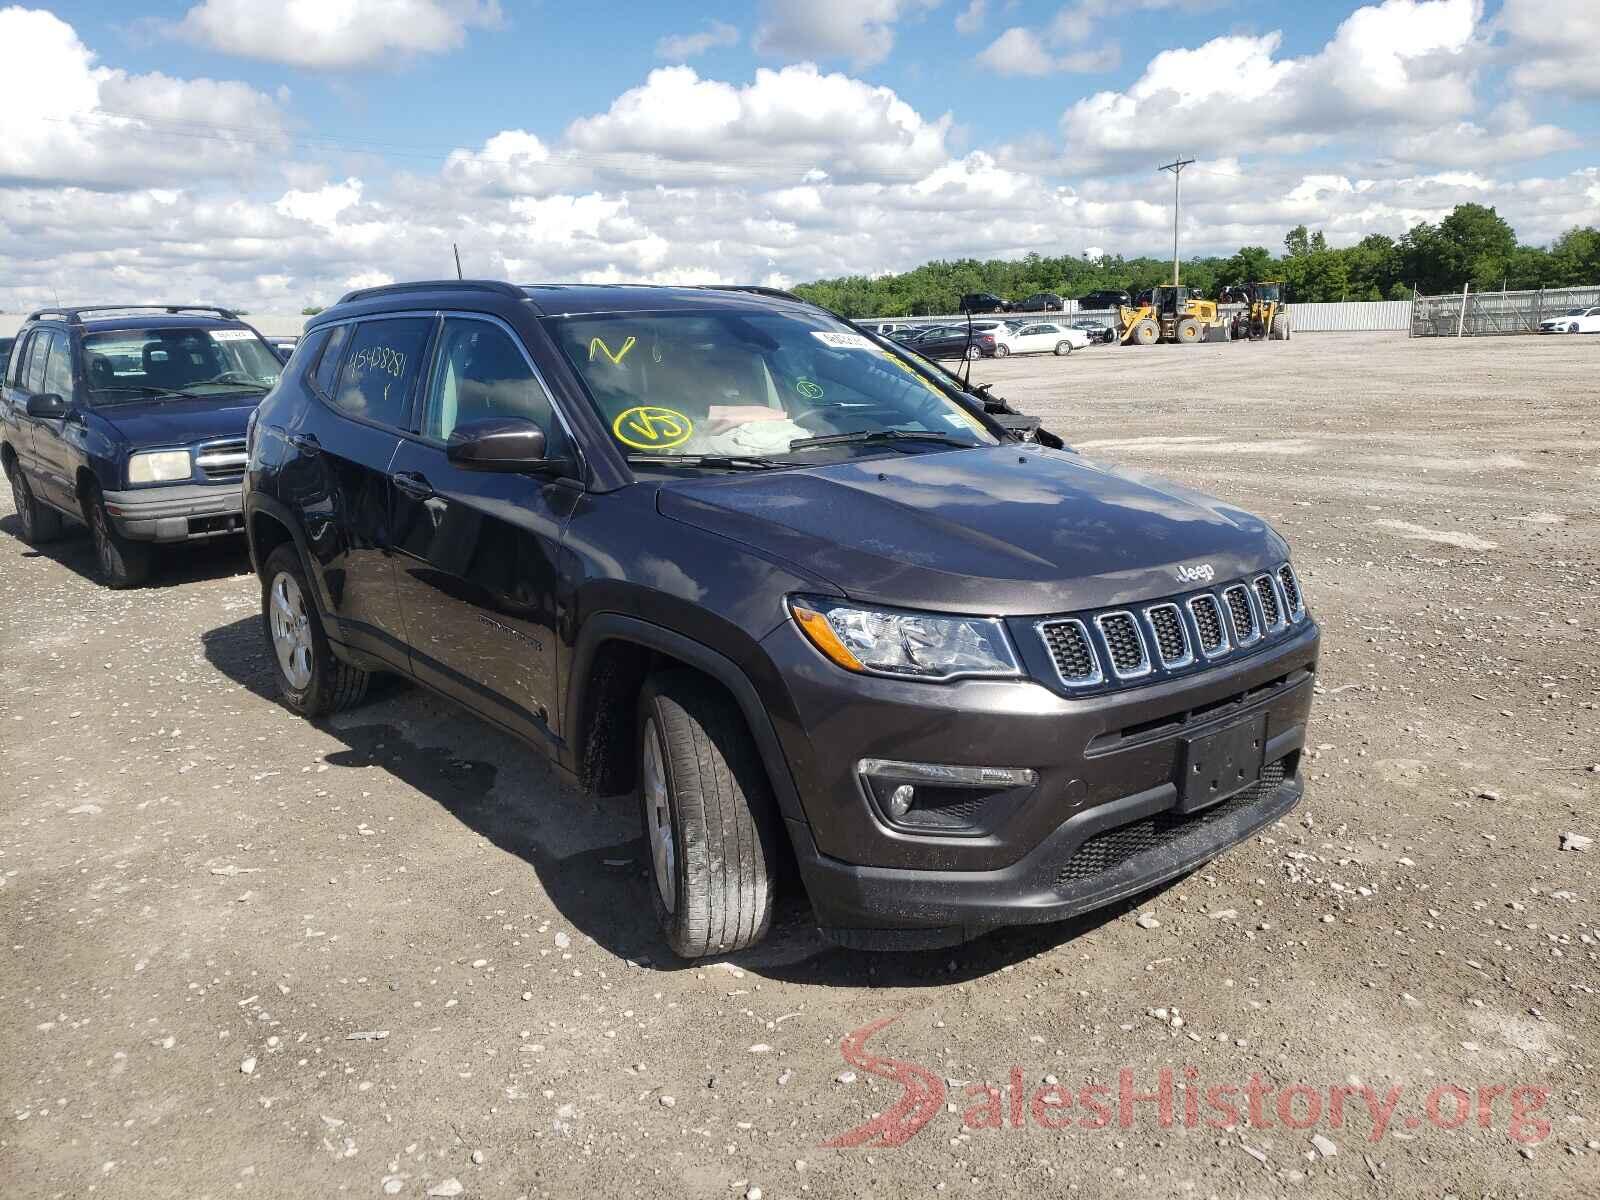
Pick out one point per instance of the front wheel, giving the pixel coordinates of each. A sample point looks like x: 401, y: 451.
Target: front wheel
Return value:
x: 123, y: 563
x: 311, y: 680
x: 708, y: 816
x: 1001, y: 350
x: 39, y: 523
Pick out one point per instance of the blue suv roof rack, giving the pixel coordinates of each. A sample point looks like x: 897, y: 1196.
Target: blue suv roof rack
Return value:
x: 74, y: 316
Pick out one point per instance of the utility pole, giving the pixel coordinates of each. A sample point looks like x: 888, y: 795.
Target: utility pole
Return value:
x: 1176, y: 168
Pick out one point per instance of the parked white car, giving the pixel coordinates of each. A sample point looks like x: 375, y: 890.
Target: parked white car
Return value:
x: 1040, y: 337
x: 1574, y: 320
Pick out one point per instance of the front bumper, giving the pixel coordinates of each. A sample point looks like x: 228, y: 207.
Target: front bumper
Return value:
x: 177, y: 513
x: 1106, y: 765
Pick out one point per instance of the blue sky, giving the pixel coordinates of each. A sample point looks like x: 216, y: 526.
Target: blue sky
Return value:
x: 779, y: 139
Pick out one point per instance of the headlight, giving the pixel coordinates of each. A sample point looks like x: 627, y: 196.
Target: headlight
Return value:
x: 917, y: 645
x: 161, y: 466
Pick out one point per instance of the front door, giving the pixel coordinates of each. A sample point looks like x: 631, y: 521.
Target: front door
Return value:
x: 57, y: 443
x: 338, y: 477
x: 477, y: 553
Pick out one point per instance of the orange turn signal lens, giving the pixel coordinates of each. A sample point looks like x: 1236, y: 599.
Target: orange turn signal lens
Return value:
x: 824, y: 638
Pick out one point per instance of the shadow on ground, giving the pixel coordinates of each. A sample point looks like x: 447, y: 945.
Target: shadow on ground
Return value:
x: 174, y: 565
x: 601, y: 891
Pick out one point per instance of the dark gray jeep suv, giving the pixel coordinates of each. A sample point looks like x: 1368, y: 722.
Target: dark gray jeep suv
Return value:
x: 798, y: 588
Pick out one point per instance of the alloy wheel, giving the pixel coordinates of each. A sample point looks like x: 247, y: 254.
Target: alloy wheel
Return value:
x: 291, y: 630
x: 658, y: 818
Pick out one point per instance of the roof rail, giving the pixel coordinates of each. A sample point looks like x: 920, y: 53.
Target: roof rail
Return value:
x: 74, y: 316
x: 756, y: 289
x: 436, y: 285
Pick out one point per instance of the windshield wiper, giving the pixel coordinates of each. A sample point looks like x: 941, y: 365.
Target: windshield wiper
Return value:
x: 147, y: 390
x: 714, y: 461
x: 873, y: 435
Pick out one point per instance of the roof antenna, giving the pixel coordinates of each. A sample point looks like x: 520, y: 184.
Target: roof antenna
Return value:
x: 457, y: 250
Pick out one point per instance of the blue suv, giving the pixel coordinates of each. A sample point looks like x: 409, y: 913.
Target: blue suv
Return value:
x: 131, y: 420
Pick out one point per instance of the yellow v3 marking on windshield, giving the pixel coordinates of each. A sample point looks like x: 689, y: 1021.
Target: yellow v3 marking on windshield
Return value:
x: 650, y: 428
x: 616, y: 359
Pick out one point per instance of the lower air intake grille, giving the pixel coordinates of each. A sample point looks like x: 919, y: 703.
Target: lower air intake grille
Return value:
x: 1110, y: 849
x: 1068, y: 643
x: 1123, y: 641
x: 1244, y: 617
x: 1208, y: 620
x: 1268, y: 595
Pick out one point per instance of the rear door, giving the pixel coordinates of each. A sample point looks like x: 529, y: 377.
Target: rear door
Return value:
x: 19, y: 429
x: 338, y: 474
x: 477, y: 553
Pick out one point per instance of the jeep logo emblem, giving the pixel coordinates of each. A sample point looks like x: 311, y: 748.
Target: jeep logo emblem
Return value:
x: 1202, y: 573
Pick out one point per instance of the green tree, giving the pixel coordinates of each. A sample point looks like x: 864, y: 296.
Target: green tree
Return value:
x: 1297, y: 241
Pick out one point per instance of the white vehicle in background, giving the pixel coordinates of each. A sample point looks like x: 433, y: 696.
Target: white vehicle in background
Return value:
x: 1038, y: 337
x: 1574, y: 320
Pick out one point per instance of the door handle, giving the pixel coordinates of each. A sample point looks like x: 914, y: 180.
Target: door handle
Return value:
x: 305, y: 442
x: 412, y: 484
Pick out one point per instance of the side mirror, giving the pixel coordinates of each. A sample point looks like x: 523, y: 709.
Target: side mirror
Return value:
x: 48, y: 406
x: 506, y: 444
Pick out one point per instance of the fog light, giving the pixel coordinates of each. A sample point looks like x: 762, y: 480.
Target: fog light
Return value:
x: 900, y: 800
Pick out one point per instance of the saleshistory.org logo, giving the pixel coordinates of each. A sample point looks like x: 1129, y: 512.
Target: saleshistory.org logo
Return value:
x: 1180, y: 1097
x: 1199, y: 573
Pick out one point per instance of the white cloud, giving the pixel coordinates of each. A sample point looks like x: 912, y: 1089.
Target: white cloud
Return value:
x: 333, y: 34
x: 970, y: 19
x: 1020, y: 51
x: 679, y: 46
x: 859, y: 30
x: 678, y: 126
x: 64, y: 119
x: 1554, y: 44
x: 1403, y: 65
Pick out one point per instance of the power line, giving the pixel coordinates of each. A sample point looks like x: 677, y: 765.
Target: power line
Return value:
x: 1176, y: 167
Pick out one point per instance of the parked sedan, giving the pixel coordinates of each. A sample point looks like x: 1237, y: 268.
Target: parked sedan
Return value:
x: 951, y: 341
x: 1574, y: 320
x: 1038, y: 338
x: 1040, y: 302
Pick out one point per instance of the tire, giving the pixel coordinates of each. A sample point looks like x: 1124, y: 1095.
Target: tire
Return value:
x: 1063, y: 349
x: 123, y: 563
x: 40, y: 524
x: 1001, y: 350
x: 973, y: 353
x: 1189, y: 331
x: 709, y: 817
x: 311, y: 680
x: 1280, y: 328
x: 1146, y: 332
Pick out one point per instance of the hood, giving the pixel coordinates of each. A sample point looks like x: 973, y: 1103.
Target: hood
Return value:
x: 156, y: 423
x: 1013, y: 531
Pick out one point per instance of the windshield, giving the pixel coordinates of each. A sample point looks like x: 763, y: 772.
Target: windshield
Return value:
x: 138, y: 363
x: 736, y: 384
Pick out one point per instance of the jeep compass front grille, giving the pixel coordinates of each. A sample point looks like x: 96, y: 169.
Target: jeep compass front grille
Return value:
x: 1244, y: 617
x: 1068, y: 643
x: 1125, y: 646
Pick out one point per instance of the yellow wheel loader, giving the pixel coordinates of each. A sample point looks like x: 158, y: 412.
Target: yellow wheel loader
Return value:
x: 1264, y: 316
x: 1173, y: 315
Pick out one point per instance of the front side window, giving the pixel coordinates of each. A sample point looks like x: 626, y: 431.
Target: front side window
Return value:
x: 755, y: 384
x: 479, y: 374
x: 124, y: 365
x: 38, y: 353
x: 381, y: 367
x: 58, y: 368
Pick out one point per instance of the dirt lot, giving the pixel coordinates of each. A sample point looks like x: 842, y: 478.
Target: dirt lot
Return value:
x: 397, y: 955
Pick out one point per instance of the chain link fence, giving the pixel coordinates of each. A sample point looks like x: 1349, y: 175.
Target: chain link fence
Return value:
x: 1485, y: 314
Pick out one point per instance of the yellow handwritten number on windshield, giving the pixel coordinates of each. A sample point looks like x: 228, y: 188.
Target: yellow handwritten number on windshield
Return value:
x: 650, y: 428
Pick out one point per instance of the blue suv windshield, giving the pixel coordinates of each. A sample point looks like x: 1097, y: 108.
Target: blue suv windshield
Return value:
x: 129, y: 364
x: 754, y: 384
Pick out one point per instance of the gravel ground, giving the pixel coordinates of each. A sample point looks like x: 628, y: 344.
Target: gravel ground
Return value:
x: 396, y: 954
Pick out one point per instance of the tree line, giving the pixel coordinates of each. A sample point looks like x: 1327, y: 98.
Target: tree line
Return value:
x: 1474, y: 244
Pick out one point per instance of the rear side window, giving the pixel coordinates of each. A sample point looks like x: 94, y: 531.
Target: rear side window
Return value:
x: 381, y: 368
x: 305, y: 352
x: 328, y: 364
x: 17, y: 367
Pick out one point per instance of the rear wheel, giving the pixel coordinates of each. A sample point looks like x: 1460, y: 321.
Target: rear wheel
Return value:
x: 1147, y: 332
x: 123, y: 563
x: 708, y: 816
x: 1063, y: 348
x: 311, y: 680
x: 1001, y: 350
x: 39, y: 523
x: 1189, y: 331
x: 973, y: 352
x: 1280, y: 328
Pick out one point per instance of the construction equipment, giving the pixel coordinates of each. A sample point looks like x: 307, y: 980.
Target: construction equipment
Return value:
x: 1173, y: 314
x: 1264, y: 314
